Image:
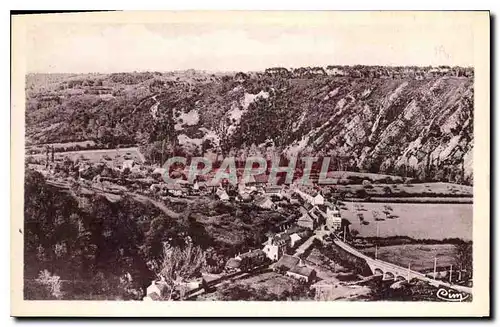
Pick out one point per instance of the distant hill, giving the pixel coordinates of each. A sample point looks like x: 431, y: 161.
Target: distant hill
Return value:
x: 409, y: 121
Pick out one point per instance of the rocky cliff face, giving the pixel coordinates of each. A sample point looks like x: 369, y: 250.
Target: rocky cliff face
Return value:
x: 416, y: 127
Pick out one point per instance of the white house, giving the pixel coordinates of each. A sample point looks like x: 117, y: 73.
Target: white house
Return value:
x: 333, y: 218
x: 127, y: 164
x: 294, y: 238
x: 265, y: 203
x: 222, y: 194
x: 318, y: 199
x: 276, y: 246
x: 155, y: 291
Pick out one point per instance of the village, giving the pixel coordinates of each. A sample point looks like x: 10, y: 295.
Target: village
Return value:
x: 319, y: 219
x: 316, y: 217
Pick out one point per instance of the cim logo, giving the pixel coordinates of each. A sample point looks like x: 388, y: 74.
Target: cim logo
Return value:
x: 450, y: 295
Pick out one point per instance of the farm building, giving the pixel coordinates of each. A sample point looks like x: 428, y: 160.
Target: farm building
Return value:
x: 286, y: 262
x: 312, y: 219
x: 294, y: 238
x: 128, y: 164
x: 265, y: 203
x: 302, y: 273
x: 174, y: 189
x: 221, y: 193
x: 246, y: 261
x: 155, y: 291
x: 274, y: 191
x: 233, y: 265
x: 276, y: 246
x: 333, y: 218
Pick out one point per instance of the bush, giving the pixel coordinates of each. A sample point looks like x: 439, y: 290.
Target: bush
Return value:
x: 361, y: 193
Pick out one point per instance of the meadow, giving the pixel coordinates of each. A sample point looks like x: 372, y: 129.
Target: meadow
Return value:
x: 112, y: 157
x: 419, y: 256
x: 419, y: 221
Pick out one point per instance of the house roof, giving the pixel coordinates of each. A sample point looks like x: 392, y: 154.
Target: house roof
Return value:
x: 222, y: 193
x: 253, y: 254
x: 303, y: 271
x: 261, y: 178
x: 161, y: 286
x: 306, y: 217
x: 283, y: 237
x: 294, y: 229
x: 322, y: 207
x: 317, y: 194
x: 314, y: 213
x: 211, y: 183
x: 233, y: 263
x: 308, y: 206
x: 261, y: 200
x: 287, y: 261
x: 154, y: 296
x: 273, y: 189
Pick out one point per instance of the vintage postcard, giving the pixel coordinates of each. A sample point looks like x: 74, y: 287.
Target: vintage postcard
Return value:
x: 303, y: 164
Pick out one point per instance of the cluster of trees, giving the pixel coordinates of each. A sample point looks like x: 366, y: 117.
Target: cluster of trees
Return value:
x: 112, y: 246
x: 361, y: 71
x: 242, y: 292
x: 117, y: 248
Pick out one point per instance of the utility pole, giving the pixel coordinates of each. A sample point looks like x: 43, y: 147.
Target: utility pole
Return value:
x: 376, y: 247
x: 435, y: 263
x: 345, y: 227
x: 451, y: 271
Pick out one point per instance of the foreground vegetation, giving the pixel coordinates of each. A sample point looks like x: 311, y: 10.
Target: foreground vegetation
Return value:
x: 96, y: 249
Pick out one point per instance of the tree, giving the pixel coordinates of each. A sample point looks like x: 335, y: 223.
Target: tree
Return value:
x: 179, y: 264
x: 376, y: 216
x: 354, y: 233
x: 463, y: 259
x: 51, y: 282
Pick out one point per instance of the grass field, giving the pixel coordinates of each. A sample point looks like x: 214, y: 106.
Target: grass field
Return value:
x: 411, y: 190
x: 112, y: 157
x: 421, y: 221
x: 57, y: 146
x: 350, y: 177
x: 419, y: 256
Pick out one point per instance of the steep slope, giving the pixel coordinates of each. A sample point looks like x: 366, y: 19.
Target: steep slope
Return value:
x: 420, y: 127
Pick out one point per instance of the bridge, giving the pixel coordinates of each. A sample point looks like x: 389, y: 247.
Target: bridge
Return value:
x: 390, y: 271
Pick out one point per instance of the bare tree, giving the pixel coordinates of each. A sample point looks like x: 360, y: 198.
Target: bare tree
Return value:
x: 179, y: 264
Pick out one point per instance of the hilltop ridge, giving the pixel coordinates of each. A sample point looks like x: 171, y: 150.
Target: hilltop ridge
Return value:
x: 407, y: 121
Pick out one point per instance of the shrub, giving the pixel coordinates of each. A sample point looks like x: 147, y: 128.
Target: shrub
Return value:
x: 366, y: 183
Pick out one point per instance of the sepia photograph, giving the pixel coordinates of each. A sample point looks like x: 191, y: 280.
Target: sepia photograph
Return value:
x: 326, y: 163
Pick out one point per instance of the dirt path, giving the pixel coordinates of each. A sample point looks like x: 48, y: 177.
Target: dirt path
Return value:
x: 156, y: 203
x: 318, y: 234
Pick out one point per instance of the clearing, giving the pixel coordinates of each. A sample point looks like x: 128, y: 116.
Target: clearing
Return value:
x: 113, y: 157
x: 420, y: 221
x: 420, y: 256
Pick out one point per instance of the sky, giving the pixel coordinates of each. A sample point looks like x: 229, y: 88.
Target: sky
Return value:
x: 230, y: 44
